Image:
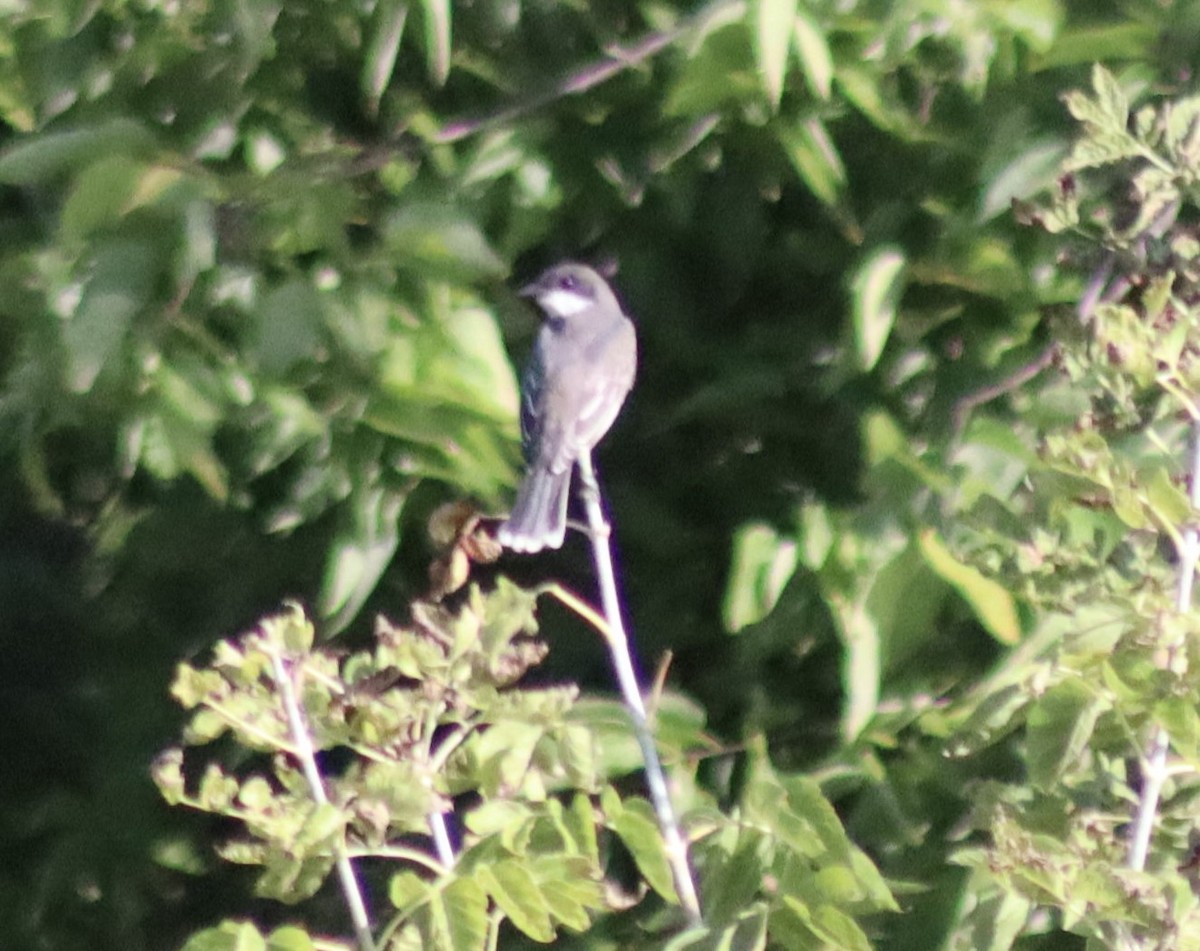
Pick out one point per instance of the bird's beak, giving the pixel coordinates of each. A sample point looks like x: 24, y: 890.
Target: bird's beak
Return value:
x: 530, y: 290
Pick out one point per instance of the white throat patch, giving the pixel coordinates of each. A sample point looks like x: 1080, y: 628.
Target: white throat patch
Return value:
x: 564, y: 303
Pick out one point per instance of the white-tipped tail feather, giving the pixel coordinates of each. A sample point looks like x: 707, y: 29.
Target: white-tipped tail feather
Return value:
x: 539, y: 516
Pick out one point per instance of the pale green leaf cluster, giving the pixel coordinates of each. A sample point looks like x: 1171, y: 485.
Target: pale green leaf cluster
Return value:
x: 436, y: 723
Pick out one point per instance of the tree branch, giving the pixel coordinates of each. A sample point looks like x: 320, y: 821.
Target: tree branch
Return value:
x: 618, y: 643
x: 308, y: 762
x: 617, y: 60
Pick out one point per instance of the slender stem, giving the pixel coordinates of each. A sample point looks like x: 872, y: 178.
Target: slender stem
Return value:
x: 1154, y: 766
x: 618, y: 642
x: 616, y: 60
x: 437, y: 821
x: 441, y: 839
x: 308, y: 762
x: 401, y: 853
x: 580, y: 607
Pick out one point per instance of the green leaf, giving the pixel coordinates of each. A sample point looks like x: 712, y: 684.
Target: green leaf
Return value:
x: 255, y: 793
x: 748, y: 932
x: 571, y: 885
x: 118, y: 289
x: 362, y: 549
x: 290, y: 326
x: 1120, y: 40
x: 1110, y: 102
x: 813, y: 50
x: 458, y: 917
x: 862, y: 87
x: 720, y: 72
x: 322, y: 828
x: 292, y: 880
x: 774, y: 21
x: 289, y: 938
x: 638, y: 829
x: 227, y: 936
x: 44, y: 157
x: 1032, y: 170
x: 1059, y: 727
x: 379, y: 62
x: 205, y: 727
x: 761, y: 565
x: 437, y: 39
x: 876, y: 287
x: 992, y: 604
x: 437, y: 240
x: 794, y: 810
x: 816, y: 159
x: 833, y: 927
x: 102, y: 193
x: 732, y: 881
x: 518, y: 896
x: 167, y: 773
x: 503, y: 752
x: 581, y: 821
x: 407, y: 889
x: 1168, y: 503
x: 996, y: 922
x: 1181, y: 720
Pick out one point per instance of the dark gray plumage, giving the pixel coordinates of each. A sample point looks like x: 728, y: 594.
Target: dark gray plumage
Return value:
x: 582, y: 366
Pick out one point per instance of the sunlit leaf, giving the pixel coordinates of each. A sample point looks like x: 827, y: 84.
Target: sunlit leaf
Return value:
x: 289, y: 938
x: 228, y: 936
x: 458, y: 916
x: 516, y: 893
x: 774, y: 21
x: 638, y: 829
x: 386, y: 30
x: 815, y: 157
x: 876, y: 287
x: 1060, y: 726
x: 437, y: 39
x: 44, y: 157
x: 366, y: 540
x: 995, y: 607
x: 813, y: 50
x: 1031, y: 171
x: 762, y: 563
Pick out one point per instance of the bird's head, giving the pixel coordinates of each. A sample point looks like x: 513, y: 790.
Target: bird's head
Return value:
x: 569, y: 289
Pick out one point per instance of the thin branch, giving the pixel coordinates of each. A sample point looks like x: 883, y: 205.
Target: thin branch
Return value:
x: 580, y: 607
x: 616, y: 60
x: 308, y: 762
x: 268, y: 740
x: 1154, y: 766
x: 1019, y: 377
x: 437, y: 820
x: 441, y: 839
x: 618, y: 641
x: 400, y: 852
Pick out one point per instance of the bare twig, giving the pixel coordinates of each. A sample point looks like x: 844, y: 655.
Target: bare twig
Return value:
x: 308, y: 762
x: 616, y: 60
x: 441, y: 839
x: 618, y: 642
x: 1154, y: 766
x: 1019, y: 377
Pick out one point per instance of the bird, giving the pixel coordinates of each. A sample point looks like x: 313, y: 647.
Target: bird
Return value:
x: 581, y: 369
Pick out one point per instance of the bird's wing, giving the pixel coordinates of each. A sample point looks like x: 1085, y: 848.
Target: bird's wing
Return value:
x: 533, y: 386
x: 597, y: 396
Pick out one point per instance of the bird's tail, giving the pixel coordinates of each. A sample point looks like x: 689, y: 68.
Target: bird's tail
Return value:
x: 539, y: 516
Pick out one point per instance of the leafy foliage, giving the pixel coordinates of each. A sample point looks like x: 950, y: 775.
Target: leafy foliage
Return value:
x: 902, y: 477
x: 436, y: 726
x: 1104, y: 495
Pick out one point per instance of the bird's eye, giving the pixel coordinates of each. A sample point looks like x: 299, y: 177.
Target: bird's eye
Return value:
x: 569, y: 282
